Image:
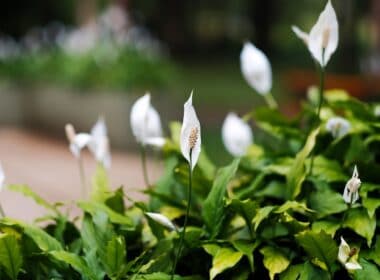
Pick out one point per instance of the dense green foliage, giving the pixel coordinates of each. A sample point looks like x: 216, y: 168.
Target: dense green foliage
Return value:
x: 276, y: 213
x: 102, y: 67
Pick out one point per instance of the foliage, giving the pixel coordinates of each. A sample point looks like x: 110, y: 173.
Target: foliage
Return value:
x: 276, y: 213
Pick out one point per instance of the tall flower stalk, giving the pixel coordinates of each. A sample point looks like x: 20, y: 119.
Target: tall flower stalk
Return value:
x: 2, y: 179
x: 190, y: 148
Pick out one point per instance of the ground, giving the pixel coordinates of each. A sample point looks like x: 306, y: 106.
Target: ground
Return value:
x: 46, y: 165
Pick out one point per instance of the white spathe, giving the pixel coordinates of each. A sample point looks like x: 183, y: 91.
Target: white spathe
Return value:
x: 146, y: 123
x: 256, y: 68
x: 99, y: 143
x: 346, y: 257
x: 77, y: 141
x: 236, y: 135
x: 161, y: 219
x: 2, y: 177
x: 338, y: 126
x: 190, y: 133
x: 322, y: 41
x: 351, y: 194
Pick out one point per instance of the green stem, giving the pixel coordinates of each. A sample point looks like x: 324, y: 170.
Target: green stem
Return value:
x: 182, y: 237
x: 144, y: 165
x: 82, y: 178
x: 2, y: 213
x: 270, y: 101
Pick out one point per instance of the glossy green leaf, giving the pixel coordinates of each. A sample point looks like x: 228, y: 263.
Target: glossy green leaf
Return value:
x: 101, y: 190
x: 371, y: 204
x: 330, y: 227
x: 326, y: 202
x: 274, y: 260
x: 297, y: 173
x: 115, y: 256
x: 261, y: 215
x: 311, y: 272
x: 319, y: 246
x: 213, y: 207
x: 368, y: 271
x: 10, y: 255
x: 247, y: 248
x: 359, y: 221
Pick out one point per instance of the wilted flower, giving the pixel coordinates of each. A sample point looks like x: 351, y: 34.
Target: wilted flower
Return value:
x: 146, y: 123
x: 190, y: 133
x: 322, y: 40
x: 338, y: 127
x: 256, y: 68
x: 347, y: 256
x: 99, y: 143
x: 351, y: 194
x: 77, y: 141
x: 236, y: 135
x: 162, y: 220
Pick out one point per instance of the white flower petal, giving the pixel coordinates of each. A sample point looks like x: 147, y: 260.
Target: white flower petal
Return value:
x: 301, y: 34
x: 352, y: 265
x: 324, y: 34
x: 79, y: 142
x: 344, y: 251
x: 100, y: 149
x: 99, y: 129
x: 256, y: 68
x: 2, y: 177
x: 161, y: 219
x: 236, y: 135
x: 156, y: 141
x: 190, y: 133
x: 338, y: 126
x: 145, y: 120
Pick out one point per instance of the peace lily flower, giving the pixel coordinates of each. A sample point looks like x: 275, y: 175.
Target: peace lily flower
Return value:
x: 350, y: 194
x: 77, y: 141
x: 347, y: 256
x: 338, y: 126
x: 162, y: 220
x: 2, y: 180
x: 256, y: 68
x: 146, y: 123
x: 190, y: 134
x: 236, y: 135
x: 322, y: 40
x: 99, y: 143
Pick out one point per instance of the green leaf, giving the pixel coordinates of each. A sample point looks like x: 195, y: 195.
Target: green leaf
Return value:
x: 328, y: 170
x: 274, y: 260
x: 330, y: 227
x: 213, y: 207
x: 247, y: 248
x: 299, y: 207
x: 115, y: 256
x: 101, y: 190
x: 374, y: 253
x: 27, y: 191
x: 292, y: 272
x: 261, y: 215
x: 311, y: 272
x: 326, y: 202
x: 223, y: 258
x: 368, y: 271
x: 359, y: 221
x: 76, y: 262
x: 43, y: 240
x: 297, y: 173
x: 371, y: 204
x: 319, y: 246
x: 160, y: 276
x: 92, y: 207
x: 10, y: 255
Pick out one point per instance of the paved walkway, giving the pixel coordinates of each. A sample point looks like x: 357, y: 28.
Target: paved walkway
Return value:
x: 47, y: 166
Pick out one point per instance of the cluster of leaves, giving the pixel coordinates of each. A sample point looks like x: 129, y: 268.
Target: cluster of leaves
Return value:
x: 96, y: 69
x: 276, y: 213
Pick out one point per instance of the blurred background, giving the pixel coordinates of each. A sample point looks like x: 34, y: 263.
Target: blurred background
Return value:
x: 70, y: 61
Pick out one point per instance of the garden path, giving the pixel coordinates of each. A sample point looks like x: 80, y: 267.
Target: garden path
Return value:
x: 46, y: 165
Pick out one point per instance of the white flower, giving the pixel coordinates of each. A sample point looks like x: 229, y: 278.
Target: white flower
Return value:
x: 99, y: 143
x: 77, y: 141
x: 2, y: 177
x: 376, y: 110
x: 338, y: 127
x: 190, y: 133
x: 256, y: 68
x: 351, y: 194
x: 322, y: 40
x: 236, y: 135
x: 146, y: 123
x: 348, y: 256
x: 162, y: 220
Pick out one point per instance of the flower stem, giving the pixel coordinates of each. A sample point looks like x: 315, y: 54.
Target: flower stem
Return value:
x: 2, y: 213
x: 82, y: 178
x: 182, y: 237
x: 144, y: 165
x: 269, y: 99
